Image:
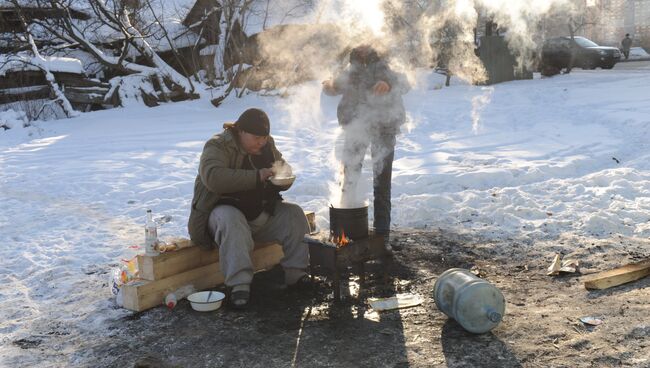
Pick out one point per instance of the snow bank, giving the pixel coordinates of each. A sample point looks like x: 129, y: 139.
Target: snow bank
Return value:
x: 13, y: 63
x: 11, y: 118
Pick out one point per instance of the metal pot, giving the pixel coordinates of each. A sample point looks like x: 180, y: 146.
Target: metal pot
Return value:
x: 351, y: 221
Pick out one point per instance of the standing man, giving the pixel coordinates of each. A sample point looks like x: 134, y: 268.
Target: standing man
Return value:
x: 370, y: 112
x: 234, y: 204
x: 626, y: 43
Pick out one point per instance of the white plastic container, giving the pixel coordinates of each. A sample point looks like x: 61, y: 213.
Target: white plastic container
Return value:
x: 474, y: 303
x: 206, y: 301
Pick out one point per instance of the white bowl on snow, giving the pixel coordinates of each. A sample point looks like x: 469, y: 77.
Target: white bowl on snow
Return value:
x: 282, y: 181
x: 201, y: 303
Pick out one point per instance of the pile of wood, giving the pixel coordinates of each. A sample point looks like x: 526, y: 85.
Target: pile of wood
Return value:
x: 83, y: 93
x: 183, y: 264
x: 189, y: 265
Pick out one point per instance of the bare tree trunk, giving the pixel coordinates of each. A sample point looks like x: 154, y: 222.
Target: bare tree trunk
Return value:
x: 118, y: 20
x: 572, y: 54
x: 40, y: 62
x: 145, y: 49
x: 171, y: 44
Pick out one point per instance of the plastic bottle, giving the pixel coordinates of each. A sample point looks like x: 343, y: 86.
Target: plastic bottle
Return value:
x: 172, y: 297
x: 474, y: 303
x: 170, y: 300
x: 150, y: 235
x: 115, y: 280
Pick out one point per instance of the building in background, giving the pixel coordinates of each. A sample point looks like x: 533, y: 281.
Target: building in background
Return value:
x: 614, y: 18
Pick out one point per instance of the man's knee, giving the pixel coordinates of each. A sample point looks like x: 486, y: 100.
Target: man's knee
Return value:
x: 293, y: 210
x: 228, y: 219
x: 294, y: 214
x: 228, y: 214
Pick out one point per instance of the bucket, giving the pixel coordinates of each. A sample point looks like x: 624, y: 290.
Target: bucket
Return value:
x: 351, y: 221
x: 474, y: 303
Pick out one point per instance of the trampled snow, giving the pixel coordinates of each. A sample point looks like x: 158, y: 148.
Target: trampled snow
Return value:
x: 529, y: 159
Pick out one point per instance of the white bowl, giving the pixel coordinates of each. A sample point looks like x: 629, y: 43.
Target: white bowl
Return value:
x: 282, y: 181
x: 200, y: 302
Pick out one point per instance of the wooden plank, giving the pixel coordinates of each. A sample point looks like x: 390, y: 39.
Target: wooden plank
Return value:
x: 24, y: 93
x: 95, y: 89
x: 76, y: 80
x: 139, y: 295
x: 618, y: 276
x: 187, y: 256
x: 83, y: 98
x: 175, y: 262
x: 22, y: 78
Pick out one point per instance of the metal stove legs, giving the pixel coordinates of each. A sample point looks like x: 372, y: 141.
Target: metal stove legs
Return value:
x: 336, y: 283
x: 362, y: 273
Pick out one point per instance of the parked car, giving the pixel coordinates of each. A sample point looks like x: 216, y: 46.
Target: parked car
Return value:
x: 557, y: 52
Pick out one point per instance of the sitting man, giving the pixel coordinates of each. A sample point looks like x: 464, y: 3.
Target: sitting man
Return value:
x: 234, y: 205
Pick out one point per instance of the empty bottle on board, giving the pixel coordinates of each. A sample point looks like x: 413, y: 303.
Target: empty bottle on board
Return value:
x: 150, y: 235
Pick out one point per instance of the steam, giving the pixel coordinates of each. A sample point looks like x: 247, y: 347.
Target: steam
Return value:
x: 281, y: 169
x: 355, y: 145
x: 413, y: 34
x: 478, y: 104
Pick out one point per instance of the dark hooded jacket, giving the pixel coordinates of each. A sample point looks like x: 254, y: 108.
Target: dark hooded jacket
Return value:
x: 356, y: 82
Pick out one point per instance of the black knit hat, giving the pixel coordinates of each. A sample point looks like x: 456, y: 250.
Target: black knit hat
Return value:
x: 254, y: 121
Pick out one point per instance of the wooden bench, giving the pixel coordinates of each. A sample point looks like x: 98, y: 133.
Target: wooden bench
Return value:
x: 189, y: 265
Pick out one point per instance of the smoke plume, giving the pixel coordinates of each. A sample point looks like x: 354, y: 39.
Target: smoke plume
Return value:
x: 412, y: 34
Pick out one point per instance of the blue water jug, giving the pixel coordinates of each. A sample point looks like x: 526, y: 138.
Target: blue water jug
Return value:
x: 474, y: 303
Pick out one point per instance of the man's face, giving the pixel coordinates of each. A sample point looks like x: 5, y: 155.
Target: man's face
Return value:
x: 363, y: 53
x: 252, y: 143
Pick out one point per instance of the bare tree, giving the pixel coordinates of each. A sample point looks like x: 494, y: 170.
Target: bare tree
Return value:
x: 169, y: 40
x: 582, y: 18
x: 233, y: 16
x: 119, y: 19
x: 40, y: 62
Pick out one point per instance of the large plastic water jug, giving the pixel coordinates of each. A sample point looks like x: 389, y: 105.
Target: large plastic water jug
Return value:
x: 474, y: 303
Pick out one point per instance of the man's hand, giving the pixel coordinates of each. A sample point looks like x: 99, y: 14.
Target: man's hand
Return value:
x: 328, y: 87
x: 265, y: 174
x: 381, y: 88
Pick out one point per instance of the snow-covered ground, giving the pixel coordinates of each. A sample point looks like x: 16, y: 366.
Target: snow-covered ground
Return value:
x: 525, y: 159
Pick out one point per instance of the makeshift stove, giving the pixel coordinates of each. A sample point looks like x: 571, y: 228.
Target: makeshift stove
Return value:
x: 347, y: 244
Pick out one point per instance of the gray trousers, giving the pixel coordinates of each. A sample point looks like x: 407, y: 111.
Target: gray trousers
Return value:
x: 235, y: 237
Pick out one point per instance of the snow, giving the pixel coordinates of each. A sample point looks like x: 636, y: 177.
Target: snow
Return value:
x: 533, y: 159
x: 12, y: 63
x: 10, y: 119
x: 169, y: 15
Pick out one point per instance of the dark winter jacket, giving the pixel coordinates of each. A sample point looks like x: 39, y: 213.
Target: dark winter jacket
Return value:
x: 626, y: 43
x: 220, y: 172
x: 252, y: 202
x: 359, y: 101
